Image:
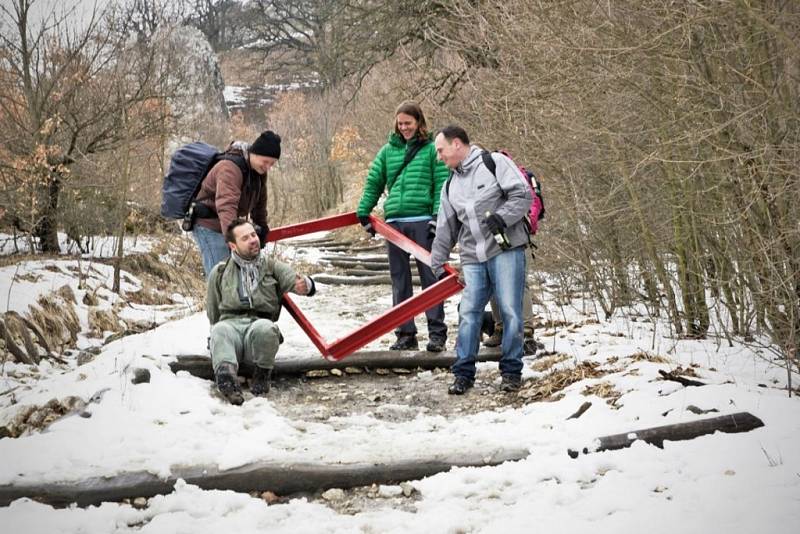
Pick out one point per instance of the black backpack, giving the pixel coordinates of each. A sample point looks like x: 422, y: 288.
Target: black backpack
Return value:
x: 188, y: 167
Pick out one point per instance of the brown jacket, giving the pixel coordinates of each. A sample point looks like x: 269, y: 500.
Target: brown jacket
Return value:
x: 224, y: 191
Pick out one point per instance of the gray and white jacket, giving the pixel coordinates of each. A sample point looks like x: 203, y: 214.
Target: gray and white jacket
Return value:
x: 472, y: 192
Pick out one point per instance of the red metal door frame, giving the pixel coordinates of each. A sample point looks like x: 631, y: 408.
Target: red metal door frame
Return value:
x: 346, y: 345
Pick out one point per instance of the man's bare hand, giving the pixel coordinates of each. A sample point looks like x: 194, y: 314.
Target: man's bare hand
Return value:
x: 300, y: 285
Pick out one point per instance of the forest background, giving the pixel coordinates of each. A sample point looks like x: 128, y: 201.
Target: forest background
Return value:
x: 666, y: 134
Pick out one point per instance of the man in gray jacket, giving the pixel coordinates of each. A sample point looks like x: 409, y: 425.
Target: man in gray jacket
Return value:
x: 483, y: 213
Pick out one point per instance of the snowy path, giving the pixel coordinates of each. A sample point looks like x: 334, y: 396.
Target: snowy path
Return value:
x: 733, y: 483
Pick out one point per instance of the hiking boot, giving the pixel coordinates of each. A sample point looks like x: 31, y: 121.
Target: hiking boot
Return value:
x: 496, y: 339
x: 228, y: 383
x: 460, y: 386
x: 262, y: 379
x: 510, y: 383
x: 435, y: 345
x: 405, y: 342
x: 530, y: 346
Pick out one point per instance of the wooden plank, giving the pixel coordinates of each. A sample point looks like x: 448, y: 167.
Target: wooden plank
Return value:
x: 282, y: 478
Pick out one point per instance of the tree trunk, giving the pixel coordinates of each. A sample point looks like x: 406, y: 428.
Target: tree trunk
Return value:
x: 46, y: 229
x: 122, y: 189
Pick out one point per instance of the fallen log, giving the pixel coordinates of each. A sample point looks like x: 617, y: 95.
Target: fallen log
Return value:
x: 329, y: 243
x: 673, y: 377
x: 371, y: 265
x: 357, y: 280
x: 282, y: 478
x: 383, y: 258
x: 368, y: 248
x: 362, y: 272
x: 365, y: 278
x: 585, y: 406
x: 730, y: 424
x: 318, y: 241
x: 334, y: 248
x: 200, y: 365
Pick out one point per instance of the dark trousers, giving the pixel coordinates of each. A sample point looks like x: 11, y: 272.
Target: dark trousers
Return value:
x: 402, y: 289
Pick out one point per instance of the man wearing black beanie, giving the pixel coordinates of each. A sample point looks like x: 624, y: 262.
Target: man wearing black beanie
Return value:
x: 236, y: 186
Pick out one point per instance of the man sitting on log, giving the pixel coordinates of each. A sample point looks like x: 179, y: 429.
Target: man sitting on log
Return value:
x: 243, y: 303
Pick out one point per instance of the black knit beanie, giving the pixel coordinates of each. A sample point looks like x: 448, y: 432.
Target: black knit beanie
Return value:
x: 267, y: 144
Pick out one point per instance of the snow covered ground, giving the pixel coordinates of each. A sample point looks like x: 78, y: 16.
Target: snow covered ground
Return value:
x: 733, y: 483
x: 99, y: 247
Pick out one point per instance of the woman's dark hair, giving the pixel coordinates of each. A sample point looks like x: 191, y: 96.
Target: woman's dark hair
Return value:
x: 409, y: 107
x: 454, y: 132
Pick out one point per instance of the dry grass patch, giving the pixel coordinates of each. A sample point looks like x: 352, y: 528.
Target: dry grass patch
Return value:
x: 604, y: 390
x: 101, y: 321
x: 31, y: 418
x: 27, y: 277
x: 56, y: 320
x: 543, y: 364
x: 553, y: 323
x: 548, y: 388
x: 148, y: 296
x: 66, y: 294
x: 647, y: 357
x: 161, y: 278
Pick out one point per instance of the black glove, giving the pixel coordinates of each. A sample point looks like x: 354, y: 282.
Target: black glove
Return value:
x: 263, y: 232
x: 432, y: 228
x: 495, y: 223
x: 313, y: 288
x: 367, y: 224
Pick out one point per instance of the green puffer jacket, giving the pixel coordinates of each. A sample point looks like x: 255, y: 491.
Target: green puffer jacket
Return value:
x: 415, y: 192
x: 222, y: 298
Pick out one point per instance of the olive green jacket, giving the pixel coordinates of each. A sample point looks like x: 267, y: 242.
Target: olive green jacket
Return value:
x: 222, y: 298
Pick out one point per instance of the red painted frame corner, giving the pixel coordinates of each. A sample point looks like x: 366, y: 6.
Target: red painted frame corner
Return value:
x: 375, y: 328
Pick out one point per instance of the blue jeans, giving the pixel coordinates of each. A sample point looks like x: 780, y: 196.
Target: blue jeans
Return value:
x: 213, y: 247
x: 504, y: 277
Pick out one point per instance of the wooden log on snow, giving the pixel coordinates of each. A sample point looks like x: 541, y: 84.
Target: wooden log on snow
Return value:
x: 360, y: 279
x: 361, y: 272
x: 673, y: 377
x: 383, y: 258
x: 300, y: 241
x: 371, y: 265
x: 282, y: 478
x: 368, y: 248
x: 585, y: 406
x: 322, y: 243
x: 200, y: 365
x: 355, y: 280
x: 336, y: 247
x: 733, y: 423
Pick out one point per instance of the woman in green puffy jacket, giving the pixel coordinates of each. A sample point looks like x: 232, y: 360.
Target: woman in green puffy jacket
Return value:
x: 406, y: 168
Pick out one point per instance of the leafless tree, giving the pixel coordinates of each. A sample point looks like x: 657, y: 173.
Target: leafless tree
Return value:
x: 58, y: 105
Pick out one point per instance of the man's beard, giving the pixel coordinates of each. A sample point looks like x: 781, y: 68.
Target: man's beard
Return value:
x: 245, y: 253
